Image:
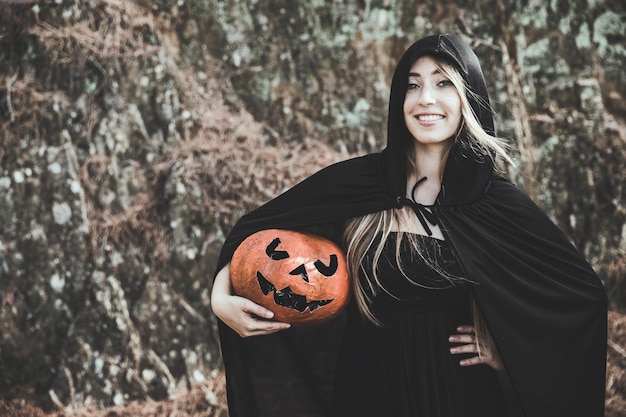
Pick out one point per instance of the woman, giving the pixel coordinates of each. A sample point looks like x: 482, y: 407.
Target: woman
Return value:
x: 428, y: 226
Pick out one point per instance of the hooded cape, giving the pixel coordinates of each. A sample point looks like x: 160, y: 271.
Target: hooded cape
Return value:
x: 542, y: 302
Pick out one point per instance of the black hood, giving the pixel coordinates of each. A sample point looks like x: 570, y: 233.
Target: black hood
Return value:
x: 466, y: 176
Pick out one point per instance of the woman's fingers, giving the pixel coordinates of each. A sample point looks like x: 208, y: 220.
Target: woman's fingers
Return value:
x: 252, y: 326
x: 467, y: 340
x: 468, y: 348
x: 466, y: 336
x: 468, y: 344
x: 253, y: 308
x: 254, y: 320
x: 240, y: 314
x: 474, y: 360
x: 244, y: 316
x: 465, y: 328
x: 269, y: 328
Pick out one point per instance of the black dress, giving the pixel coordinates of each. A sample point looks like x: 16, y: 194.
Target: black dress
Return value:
x: 404, y: 368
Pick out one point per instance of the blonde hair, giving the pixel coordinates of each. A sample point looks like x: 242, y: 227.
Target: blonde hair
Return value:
x: 362, y: 232
x: 470, y: 133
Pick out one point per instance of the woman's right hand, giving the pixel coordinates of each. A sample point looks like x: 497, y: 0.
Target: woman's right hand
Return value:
x: 240, y: 314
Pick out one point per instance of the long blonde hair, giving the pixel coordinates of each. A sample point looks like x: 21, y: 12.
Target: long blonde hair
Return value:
x: 362, y: 232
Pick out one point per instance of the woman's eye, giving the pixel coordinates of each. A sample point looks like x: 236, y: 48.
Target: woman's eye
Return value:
x: 445, y: 83
x: 413, y: 86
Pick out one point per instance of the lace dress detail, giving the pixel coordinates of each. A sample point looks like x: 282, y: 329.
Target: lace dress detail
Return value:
x: 405, y: 368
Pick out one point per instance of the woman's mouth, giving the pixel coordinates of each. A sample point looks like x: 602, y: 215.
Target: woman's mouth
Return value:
x: 429, y: 117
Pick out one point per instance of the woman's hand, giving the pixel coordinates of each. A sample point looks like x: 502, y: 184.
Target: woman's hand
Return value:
x: 486, y: 355
x: 240, y: 314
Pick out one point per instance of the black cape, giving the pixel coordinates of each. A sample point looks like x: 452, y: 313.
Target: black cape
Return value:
x: 543, y: 304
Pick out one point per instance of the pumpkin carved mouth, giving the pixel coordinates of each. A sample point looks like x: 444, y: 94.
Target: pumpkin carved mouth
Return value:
x: 287, y: 298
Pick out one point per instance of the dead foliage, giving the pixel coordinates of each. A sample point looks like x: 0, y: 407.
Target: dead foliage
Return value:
x: 208, y: 400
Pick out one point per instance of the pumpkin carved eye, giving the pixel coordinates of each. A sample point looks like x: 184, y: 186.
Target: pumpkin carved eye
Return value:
x: 329, y: 270
x: 276, y: 254
x: 302, y: 278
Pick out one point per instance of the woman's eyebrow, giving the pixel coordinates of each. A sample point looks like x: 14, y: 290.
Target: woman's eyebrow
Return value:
x: 417, y: 74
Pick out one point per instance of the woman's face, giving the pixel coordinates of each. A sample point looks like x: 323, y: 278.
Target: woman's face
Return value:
x: 432, y: 106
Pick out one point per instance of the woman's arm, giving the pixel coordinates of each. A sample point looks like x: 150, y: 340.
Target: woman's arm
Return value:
x: 240, y: 314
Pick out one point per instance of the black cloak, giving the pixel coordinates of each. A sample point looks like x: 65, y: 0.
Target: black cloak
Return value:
x: 543, y: 304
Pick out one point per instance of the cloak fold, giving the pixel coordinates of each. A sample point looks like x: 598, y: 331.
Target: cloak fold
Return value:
x: 544, y: 305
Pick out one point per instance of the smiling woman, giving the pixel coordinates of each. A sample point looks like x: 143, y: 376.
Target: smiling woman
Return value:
x: 467, y: 300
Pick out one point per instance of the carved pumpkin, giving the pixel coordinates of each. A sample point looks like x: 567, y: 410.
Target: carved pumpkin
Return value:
x: 301, y: 277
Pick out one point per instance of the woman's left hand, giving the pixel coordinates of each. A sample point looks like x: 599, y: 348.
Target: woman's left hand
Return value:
x: 468, y: 344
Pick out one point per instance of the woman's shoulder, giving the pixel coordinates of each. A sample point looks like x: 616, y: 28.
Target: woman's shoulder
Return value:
x: 366, y: 161
x: 501, y: 187
x: 508, y: 197
x: 355, y: 169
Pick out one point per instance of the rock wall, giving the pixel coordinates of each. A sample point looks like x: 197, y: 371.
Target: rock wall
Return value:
x: 135, y: 133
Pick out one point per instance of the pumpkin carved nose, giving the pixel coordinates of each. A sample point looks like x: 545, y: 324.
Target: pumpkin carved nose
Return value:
x: 301, y: 270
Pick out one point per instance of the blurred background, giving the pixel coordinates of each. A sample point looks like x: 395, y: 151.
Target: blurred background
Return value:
x: 135, y: 133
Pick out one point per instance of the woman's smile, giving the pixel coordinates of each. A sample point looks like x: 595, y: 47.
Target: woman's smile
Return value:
x: 429, y: 118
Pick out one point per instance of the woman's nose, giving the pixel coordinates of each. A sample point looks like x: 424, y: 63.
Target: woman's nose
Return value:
x: 427, y: 96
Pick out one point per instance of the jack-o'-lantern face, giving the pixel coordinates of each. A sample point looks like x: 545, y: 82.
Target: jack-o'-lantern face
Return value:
x: 302, y: 278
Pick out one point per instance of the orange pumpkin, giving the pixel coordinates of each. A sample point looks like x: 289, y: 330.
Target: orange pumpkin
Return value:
x: 301, y: 277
